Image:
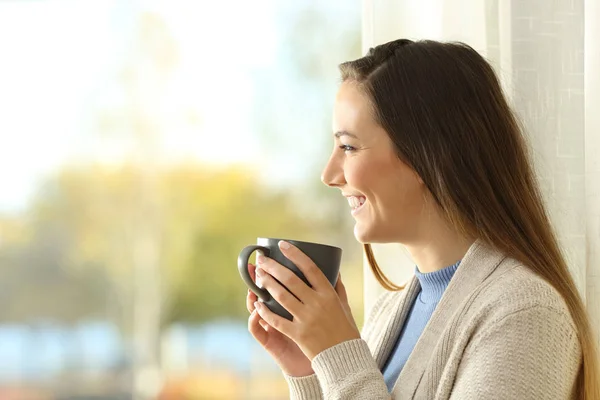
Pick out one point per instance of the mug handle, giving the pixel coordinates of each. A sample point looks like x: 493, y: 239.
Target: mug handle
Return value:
x: 242, y: 261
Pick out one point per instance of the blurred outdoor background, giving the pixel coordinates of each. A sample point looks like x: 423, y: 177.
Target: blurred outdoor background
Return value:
x: 144, y: 144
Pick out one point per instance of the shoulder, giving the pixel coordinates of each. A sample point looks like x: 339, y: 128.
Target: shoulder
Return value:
x: 515, y: 288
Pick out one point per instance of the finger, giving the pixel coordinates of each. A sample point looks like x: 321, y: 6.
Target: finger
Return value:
x: 340, y: 289
x: 285, y: 276
x: 255, y: 329
x: 313, y: 274
x: 280, y: 293
x: 263, y: 324
x: 278, y: 323
x: 251, y: 271
x: 250, y: 299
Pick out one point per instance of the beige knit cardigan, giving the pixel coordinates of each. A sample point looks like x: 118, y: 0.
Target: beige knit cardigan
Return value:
x: 498, y: 332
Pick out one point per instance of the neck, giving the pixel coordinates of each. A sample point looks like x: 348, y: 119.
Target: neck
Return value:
x: 438, y: 251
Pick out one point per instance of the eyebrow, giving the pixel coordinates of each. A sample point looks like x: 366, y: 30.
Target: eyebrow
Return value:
x: 344, y: 133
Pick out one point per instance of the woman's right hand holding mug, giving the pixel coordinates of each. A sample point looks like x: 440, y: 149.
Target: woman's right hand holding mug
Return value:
x: 282, y: 349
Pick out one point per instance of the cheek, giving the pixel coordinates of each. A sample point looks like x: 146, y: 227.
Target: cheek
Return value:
x: 358, y: 175
x: 399, y: 193
x: 391, y: 188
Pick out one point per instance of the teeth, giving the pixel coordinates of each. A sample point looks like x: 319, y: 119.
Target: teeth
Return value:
x: 355, y: 201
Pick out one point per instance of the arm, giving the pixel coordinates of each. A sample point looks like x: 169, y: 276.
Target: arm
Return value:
x: 348, y: 371
x: 309, y: 387
x: 304, y: 387
x: 532, y: 353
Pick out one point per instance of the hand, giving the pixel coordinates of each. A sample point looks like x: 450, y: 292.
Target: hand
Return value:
x: 322, y: 316
x: 282, y: 349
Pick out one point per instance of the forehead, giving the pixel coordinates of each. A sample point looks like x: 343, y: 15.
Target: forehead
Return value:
x: 352, y: 109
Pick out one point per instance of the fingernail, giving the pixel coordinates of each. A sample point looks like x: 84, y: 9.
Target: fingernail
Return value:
x: 260, y: 259
x: 284, y: 245
x: 260, y: 272
x: 256, y: 304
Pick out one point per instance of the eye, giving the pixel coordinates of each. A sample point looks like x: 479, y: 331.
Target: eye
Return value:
x: 346, y: 147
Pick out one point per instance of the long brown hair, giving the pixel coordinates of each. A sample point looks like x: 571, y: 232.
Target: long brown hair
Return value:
x: 443, y: 108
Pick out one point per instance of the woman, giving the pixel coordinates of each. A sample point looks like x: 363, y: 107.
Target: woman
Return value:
x: 430, y: 155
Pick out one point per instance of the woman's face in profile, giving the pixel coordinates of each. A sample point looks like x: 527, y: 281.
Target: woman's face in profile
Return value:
x: 385, y: 196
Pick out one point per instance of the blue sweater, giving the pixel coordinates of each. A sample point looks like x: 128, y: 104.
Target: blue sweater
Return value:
x: 433, y: 285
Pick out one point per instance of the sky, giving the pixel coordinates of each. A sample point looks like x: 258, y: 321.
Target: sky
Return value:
x: 44, y: 76
x: 61, y: 62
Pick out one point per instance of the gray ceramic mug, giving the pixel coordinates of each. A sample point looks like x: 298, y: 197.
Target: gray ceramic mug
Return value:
x: 326, y: 257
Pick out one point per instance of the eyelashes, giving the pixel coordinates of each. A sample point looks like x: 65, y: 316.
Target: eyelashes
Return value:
x: 346, y: 147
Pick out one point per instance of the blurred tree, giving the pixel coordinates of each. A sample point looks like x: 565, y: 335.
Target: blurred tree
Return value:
x: 295, y: 102
x: 34, y: 283
x: 85, y: 227
x: 214, y: 215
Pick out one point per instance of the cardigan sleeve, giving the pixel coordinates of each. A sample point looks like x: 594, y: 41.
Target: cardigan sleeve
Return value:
x: 348, y: 371
x: 532, y: 353
x: 331, y: 363
x: 304, y: 387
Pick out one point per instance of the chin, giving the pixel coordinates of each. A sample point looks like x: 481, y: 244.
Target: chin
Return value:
x: 366, y: 235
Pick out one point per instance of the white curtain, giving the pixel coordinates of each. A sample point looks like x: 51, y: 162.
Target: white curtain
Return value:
x: 546, y: 54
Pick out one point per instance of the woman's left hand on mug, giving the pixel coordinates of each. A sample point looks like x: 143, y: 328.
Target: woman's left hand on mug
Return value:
x: 322, y: 316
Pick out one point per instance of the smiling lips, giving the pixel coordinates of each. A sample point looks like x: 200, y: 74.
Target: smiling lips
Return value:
x: 356, y: 202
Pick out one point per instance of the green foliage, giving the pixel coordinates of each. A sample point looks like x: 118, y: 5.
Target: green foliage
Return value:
x: 213, y: 216
x: 85, y: 222
x: 72, y: 254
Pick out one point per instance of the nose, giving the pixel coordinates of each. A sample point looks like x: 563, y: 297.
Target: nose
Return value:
x: 333, y: 173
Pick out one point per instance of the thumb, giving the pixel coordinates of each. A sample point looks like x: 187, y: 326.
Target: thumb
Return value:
x: 340, y: 289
